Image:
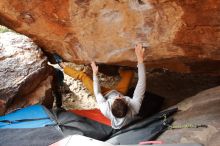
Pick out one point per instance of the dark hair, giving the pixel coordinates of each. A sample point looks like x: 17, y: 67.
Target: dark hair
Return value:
x: 119, y: 108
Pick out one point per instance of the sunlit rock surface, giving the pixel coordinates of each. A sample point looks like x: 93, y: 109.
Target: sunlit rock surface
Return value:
x: 25, y: 75
x: 181, y: 35
x: 202, y: 108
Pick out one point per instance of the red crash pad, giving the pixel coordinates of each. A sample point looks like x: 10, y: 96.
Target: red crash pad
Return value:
x: 94, y: 114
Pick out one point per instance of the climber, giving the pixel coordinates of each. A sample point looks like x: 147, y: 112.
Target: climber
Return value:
x: 113, y: 104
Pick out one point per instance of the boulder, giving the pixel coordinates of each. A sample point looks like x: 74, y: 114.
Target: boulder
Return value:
x: 25, y: 75
x: 182, y: 35
x: 202, y: 108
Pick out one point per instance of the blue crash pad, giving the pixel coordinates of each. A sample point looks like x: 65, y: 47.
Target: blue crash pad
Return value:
x: 33, y: 116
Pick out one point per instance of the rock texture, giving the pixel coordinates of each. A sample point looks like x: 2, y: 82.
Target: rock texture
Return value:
x: 202, y: 108
x: 181, y: 35
x: 25, y: 76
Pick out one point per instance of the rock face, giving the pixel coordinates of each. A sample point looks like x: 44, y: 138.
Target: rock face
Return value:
x: 181, y: 35
x: 200, y: 109
x: 25, y: 76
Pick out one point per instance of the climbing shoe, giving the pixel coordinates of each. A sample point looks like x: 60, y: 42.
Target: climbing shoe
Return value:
x: 57, y: 58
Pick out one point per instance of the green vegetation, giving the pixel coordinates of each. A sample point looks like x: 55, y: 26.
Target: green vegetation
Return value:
x: 4, y: 29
